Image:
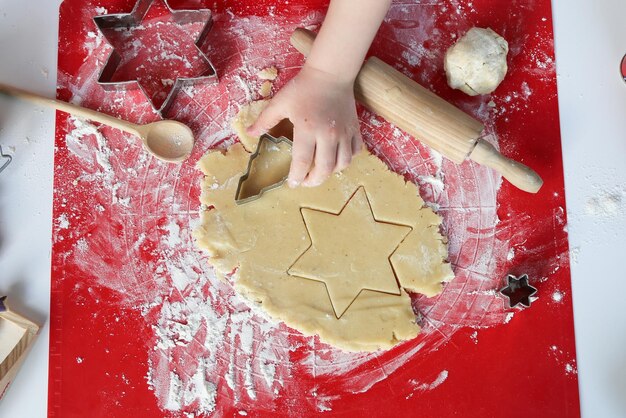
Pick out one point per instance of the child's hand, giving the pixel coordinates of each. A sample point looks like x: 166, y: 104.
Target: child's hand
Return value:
x: 322, y: 109
x: 320, y: 100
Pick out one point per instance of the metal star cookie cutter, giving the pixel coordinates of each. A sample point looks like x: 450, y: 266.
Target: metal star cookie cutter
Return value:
x: 8, y: 158
x: 518, y: 291
x: 3, y: 306
x: 134, y: 18
x: 276, y: 141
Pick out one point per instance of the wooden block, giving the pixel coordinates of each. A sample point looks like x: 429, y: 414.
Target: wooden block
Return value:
x: 17, y: 335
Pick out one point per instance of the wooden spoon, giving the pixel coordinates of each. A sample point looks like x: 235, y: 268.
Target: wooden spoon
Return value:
x: 167, y: 140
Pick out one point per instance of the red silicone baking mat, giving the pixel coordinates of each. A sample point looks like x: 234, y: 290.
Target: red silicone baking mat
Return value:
x: 141, y: 327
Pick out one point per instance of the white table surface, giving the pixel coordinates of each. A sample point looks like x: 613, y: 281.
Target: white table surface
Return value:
x: 590, y: 42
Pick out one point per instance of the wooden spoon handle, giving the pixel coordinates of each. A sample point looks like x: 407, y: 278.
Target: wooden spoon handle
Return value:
x: 71, y: 109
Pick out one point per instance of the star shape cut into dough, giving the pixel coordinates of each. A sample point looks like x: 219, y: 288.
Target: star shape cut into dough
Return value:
x: 350, y: 251
x: 156, y: 50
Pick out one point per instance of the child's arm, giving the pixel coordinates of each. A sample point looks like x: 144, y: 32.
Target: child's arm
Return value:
x: 319, y: 101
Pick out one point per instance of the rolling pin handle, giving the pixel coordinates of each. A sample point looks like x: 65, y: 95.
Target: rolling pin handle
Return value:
x: 516, y: 173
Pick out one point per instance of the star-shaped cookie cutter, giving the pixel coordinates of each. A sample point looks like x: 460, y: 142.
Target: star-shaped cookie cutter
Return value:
x: 518, y: 291
x: 134, y: 18
x: 265, y: 137
x: 3, y: 307
x: 7, y: 160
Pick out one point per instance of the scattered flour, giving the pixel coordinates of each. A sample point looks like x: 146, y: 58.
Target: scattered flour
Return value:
x: 173, y: 238
x: 412, y: 59
x: 439, y: 380
x: 323, y: 407
x: 526, y: 91
x: 564, y: 359
x: 175, y: 394
x: 606, y: 204
x: 437, y: 158
x: 75, y: 140
x: 63, y: 222
x: 234, y: 335
x: 574, y: 253
x: 511, y: 254
x: 95, y: 40
x: 436, y: 183
x: 422, y: 387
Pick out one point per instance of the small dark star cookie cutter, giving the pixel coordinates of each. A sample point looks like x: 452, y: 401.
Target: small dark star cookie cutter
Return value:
x: 265, y: 137
x: 8, y: 158
x: 134, y: 18
x: 3, y: 306
x: 518, y: 291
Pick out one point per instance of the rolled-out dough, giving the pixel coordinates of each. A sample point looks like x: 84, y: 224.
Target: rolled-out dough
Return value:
x: 264, y: 239
x: 265, y: 89
x: 246, y: 116
x: 350, y: 252
x: 269, y: 73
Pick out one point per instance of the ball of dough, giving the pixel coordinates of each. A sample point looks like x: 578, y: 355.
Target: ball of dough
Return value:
x: 476, y: 64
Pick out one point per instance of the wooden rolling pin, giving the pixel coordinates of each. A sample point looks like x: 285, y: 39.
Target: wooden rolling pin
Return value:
x: 421, y: 113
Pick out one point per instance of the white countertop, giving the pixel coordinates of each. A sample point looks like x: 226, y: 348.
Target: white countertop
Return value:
x: 590, y: 41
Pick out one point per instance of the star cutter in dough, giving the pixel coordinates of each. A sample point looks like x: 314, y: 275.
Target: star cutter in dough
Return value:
x: 3, y: 307
x: 357, y: 289
x: 135, y: 18
x: 518, y: 291
x: 265, y: 137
